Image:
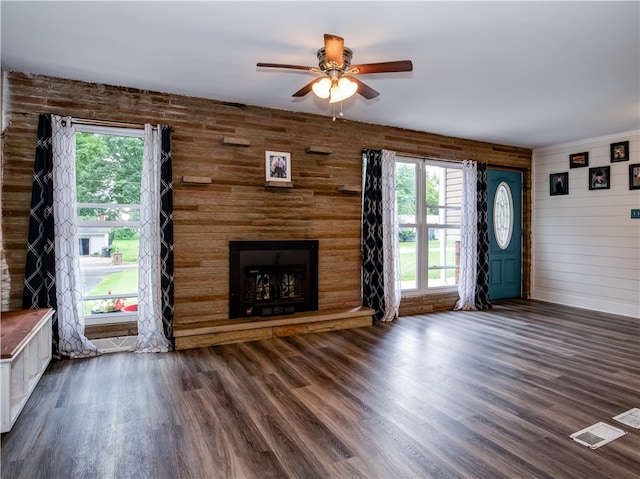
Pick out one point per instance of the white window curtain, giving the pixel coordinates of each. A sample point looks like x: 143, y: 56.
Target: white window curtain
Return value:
x: 151, y: 337
x: 390, y: 242
x: 468, y: 238
x: 72, y: 341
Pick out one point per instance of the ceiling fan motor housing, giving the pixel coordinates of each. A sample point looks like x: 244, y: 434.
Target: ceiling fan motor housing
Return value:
x: 327, y: 66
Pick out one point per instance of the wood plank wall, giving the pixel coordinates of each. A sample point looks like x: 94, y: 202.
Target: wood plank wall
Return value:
x: 236, y: 205
x: 587, y: 246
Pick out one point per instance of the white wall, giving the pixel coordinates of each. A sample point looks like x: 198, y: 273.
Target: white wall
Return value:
x: 586, y: 247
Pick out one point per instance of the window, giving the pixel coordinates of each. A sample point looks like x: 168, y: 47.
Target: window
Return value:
x: 108, y: 182
x: 502, y: 215
x: 429, y: 195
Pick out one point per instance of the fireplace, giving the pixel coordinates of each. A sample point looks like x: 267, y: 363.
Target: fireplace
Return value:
x: 268, y: 278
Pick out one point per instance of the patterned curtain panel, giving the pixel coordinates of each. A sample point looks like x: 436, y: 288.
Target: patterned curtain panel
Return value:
x: 380, y: 274
x: 151, y: 337
x: 72, y: 341
x: 468, y: 238
x: 390, y: 237
x: 166, y: 232
x: 39, y: 279
x: 482, y: 278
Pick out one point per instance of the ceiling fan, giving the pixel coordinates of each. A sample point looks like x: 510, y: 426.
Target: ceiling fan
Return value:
x: 338, y: 81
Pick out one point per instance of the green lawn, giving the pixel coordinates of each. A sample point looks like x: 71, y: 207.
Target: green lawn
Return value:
x: 128, y: 248
x: 122, y: 282
x: 118, y: 283
x: 408, y: 259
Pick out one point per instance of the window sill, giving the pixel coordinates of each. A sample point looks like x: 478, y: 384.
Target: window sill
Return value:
x: 110, y: 318
x: 417, y: 294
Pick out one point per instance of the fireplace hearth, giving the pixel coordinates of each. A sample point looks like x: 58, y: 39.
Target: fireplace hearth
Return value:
x: 268, y: 278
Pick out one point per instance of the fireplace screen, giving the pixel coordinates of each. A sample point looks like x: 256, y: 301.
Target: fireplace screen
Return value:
x: 274, y: 290
x: 266, y: 286
x: 272, y: 277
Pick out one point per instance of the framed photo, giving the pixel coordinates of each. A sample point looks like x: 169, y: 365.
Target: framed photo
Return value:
x: 559, y: 184
x: 620, y: 151
x: 278, y: 166
x: 599, y: 178
x: 578, y: 160
x: 634, y: 176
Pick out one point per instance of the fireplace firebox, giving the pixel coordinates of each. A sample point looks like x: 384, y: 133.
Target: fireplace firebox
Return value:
x: 268, y: 278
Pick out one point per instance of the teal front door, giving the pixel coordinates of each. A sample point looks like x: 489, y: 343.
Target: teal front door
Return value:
x: 504, y: 198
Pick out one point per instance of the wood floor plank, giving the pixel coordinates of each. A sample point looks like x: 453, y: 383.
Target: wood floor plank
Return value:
x: 465, y: 394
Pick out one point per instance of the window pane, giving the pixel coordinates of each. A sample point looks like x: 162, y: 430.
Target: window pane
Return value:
x: 443, y: 248
x: 444, y: 216
x: 453, y: 187
x: 108, y: 184
x: 406, y: 192
x: 502, y: 215
x: 108, y: 168
x: 94, y: 212
x: 408, y: 258
x: 432, y: 182
x: 109, y: 268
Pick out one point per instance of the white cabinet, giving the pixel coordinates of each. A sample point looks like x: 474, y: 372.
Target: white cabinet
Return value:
x: 25, y: 353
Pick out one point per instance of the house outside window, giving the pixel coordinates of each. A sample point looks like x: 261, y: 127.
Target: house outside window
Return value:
x: 108, y: 183
x: 429, y: 195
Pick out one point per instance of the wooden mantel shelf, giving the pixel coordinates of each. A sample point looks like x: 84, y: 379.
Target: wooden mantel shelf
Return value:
x: 252, y: 329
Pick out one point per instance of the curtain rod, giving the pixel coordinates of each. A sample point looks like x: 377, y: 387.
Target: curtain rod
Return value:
x: 115, y: 124
x: 109, y: 123
x: 423, y: 157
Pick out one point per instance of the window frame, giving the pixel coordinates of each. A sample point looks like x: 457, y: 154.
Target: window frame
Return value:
x: 422, y: 226
x: 107, y: 317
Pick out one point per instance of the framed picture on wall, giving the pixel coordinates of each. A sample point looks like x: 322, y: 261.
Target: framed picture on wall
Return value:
x: 599, y: 178
x: 559, y: 184
x: 578, y: 160
x: 278, y: 166
x: 619, y: 151
x: 634, y: 176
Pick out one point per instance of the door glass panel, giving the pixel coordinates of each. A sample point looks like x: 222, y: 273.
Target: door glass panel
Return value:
x: 503, y: 215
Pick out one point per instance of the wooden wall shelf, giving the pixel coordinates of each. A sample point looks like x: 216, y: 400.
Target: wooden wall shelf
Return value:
x: 350, y: 188
x: 227, y: 140
x: 318, y: 150
x: 196, y: 180
x: 278, y: 184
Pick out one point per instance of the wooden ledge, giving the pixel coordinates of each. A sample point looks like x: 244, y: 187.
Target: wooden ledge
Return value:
x: 198, y: 180
x: 278, y: 184
x: 252, y: 329
x: 227, y: 140
x: 319, y: 150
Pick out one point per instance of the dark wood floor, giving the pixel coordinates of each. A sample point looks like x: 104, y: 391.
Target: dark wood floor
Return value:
x: 492, y: 394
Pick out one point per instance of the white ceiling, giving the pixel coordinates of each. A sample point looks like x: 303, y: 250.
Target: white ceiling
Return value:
x: 529, y: 74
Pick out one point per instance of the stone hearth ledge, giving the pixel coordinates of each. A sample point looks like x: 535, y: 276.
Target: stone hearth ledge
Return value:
x: 238, y: 330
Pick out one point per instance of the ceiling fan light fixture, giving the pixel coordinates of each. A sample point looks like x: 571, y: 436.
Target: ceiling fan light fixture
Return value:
x: 322, y: 88
x: 342, y: 89
x: 334, y: 61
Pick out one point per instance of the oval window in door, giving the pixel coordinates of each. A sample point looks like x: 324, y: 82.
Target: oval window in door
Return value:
x: 503, y: 215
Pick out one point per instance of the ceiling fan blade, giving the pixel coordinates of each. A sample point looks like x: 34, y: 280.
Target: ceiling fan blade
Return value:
x: 294, y: 67
x: 305, y: 89
x: 364, y: 89
x: 383, y: 67
x: 334, y: 48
